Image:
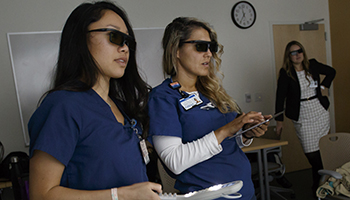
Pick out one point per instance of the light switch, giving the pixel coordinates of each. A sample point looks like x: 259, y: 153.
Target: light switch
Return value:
x: 248, y: 98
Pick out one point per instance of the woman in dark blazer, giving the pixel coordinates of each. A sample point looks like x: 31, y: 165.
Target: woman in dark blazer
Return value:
x: 299, y: 94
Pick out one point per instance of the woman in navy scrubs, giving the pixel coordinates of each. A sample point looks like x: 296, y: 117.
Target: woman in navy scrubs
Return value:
x: 86, y: 134
x: 192, y: 116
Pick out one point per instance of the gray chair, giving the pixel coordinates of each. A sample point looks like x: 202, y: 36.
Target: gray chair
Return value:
x: 274, y: 168
x: 278, y: 166
x: 335, y: 151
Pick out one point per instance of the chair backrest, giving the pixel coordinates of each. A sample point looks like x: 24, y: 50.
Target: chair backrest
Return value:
x: 167, y: 181
x: 335, y: 150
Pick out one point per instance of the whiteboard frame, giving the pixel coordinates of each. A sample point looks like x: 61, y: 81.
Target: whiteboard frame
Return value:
x: 19, y: 102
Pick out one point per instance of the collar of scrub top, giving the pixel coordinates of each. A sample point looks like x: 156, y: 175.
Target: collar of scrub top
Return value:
x: 176, y: 86
x: 132, y: 122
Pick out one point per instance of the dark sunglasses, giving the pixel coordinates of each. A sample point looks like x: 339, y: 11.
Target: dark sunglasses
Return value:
x: 294, y: 53
x: 118, y: 38
x: 203, y: 46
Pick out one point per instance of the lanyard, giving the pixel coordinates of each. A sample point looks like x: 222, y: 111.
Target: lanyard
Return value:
x: 132, y: 122
x: 142, y: 142
x: 176, y: 86
x: 187, y: 101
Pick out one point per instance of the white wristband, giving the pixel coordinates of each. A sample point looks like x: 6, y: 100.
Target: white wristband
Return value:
x: 114, y: 194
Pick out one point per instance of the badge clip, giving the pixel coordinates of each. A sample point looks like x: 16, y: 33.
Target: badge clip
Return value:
x: 190, y: 101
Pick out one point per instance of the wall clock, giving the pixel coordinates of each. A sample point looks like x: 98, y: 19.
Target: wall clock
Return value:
x: 243, y: 14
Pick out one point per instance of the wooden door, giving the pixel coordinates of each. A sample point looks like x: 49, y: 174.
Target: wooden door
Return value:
x: 315, y: 46
x: 338, y: 18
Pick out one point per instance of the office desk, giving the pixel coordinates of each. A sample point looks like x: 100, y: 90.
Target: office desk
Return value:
x: 261, y: 146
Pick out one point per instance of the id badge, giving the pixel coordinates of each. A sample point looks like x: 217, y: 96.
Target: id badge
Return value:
x: 313, y: 84
x: 190, y: 101
x: 144, y: 151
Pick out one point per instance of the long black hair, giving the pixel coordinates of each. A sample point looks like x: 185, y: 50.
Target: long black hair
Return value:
x: 76, y: 64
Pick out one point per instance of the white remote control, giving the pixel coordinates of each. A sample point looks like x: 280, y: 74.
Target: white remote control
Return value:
x: 227, y: 190
x: 168, y: 196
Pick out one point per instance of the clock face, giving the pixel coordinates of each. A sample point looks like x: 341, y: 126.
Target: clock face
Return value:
x: 243, y: 14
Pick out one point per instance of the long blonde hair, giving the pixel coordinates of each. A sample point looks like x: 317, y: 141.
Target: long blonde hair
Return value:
x: 288, y: 64
x: 180, y: 30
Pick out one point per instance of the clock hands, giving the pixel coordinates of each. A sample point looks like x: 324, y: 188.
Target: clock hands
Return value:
x: 243, y: 17
x: 243, y: 14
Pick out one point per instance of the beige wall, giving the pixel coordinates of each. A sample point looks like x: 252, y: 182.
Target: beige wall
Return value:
x: 340, y: 31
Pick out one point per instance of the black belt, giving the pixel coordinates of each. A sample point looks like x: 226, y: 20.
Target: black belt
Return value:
x: 309, y: 98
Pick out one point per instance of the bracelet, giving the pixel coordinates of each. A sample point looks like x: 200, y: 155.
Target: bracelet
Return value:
x: 114, y: 194
x: 246, y: 137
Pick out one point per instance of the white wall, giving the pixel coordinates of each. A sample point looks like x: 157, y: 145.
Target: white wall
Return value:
x: 248, y: 61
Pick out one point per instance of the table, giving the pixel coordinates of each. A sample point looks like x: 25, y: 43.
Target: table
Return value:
x: 261, y: 146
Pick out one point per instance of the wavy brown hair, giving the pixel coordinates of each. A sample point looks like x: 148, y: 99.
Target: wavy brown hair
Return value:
x: 288, y: 64
x: 180, y: 30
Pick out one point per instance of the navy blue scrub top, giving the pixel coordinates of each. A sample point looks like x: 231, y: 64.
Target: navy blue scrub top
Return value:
x: 80, y: 130
x: 169, y: 118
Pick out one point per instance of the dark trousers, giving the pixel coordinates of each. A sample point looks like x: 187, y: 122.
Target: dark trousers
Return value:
x: 315, y: 160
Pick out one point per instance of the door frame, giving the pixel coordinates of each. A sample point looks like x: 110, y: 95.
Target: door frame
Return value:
x: 328, y: 57
x: 296, y: 150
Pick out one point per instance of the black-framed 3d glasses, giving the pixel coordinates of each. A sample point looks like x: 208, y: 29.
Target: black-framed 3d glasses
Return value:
x: 203, y: 46
x: 296, y: 52
x: 118, y: 38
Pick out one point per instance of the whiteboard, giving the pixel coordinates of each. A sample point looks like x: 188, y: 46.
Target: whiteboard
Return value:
x: 34, y: 56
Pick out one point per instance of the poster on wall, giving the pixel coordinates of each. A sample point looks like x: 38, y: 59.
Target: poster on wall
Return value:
x: 34, y: 56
